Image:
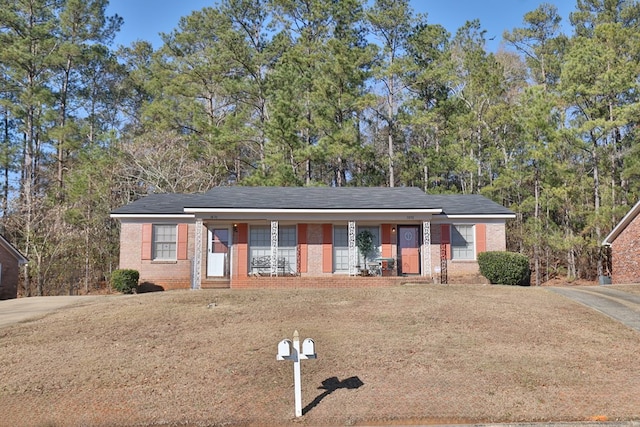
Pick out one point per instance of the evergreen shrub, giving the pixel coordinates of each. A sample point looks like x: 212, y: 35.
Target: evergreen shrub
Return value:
x: 505, y: 268
x: 125, y: 280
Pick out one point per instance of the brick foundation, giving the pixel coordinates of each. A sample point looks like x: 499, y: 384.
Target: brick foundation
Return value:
x: 323, y: 282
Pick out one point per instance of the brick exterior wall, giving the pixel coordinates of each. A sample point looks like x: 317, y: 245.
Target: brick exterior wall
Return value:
x: 177, y: 274
x: 458, y: 270
x: 496, y: 237
x: 314, y: 250
x: 625, y: 254
x: 10, y: 275
x: 167, y: 274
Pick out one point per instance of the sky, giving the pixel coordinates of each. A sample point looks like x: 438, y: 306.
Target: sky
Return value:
x: 146, y: 19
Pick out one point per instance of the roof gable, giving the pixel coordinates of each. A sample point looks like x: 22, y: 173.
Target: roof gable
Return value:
x: 624, y: 222
x: 13, y: 250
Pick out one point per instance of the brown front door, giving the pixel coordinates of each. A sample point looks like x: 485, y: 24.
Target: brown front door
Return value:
x: 409, y: 248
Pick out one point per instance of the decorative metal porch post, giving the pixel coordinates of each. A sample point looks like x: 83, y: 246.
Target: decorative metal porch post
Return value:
x: 274, y: 248
x: 196, y: 277
x: 352, y: 248
x: 426, y: 248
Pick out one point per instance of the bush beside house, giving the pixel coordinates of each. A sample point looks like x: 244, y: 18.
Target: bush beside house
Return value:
x: 125, y: 280
x: 505, y: 268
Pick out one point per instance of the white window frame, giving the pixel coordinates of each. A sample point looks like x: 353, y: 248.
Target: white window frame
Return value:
x: 170, y: 245
x: 259, y: 246
x: 341, y: 252
x: 288, y: 247
x: 457, y: 248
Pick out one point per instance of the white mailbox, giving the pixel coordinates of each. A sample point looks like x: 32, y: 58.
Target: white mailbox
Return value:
x: 309, y: 348
x: 288, y: 350
x: 284, y: 349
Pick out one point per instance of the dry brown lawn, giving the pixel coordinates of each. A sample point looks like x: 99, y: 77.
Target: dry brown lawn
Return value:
x: 397, y: 355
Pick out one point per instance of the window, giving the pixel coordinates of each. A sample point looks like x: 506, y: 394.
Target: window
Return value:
x: 340, y: 249
x: 462, y: 240
x: 287, y: 248
x: 164, y: 241
x: 260, y: 249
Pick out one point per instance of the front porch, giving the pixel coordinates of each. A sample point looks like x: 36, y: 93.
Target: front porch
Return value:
x: 296, y: 254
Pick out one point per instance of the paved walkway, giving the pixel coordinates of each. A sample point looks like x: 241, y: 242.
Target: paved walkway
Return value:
x: 21, y: 309
x: 619, y: 305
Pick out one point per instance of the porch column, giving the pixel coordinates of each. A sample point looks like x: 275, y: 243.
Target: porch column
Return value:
x: 352, y: 249
x: 426, y: 248
x: 274, y: 248
x: 196, y: 277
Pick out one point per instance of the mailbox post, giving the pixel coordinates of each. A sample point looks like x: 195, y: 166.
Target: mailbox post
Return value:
x: 291, y: 351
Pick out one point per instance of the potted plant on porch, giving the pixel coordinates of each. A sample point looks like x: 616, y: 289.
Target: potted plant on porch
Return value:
x: 364, y: 242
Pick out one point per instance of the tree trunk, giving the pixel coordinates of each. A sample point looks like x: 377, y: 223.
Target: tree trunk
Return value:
x: 5, y: 184
x: 536, y: 244
x: 390, y: 142
x: 596, y: 202
x: 61, y: 124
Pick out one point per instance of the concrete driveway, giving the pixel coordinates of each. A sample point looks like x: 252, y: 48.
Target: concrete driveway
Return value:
x: 21, y: 309
x: 619, y: 305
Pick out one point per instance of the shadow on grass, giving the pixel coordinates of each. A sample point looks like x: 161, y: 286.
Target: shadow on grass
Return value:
x: 148, y: 287
x: 329, y: 386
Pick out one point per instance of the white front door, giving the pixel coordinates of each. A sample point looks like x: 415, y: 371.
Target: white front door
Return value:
x: 218, y: 253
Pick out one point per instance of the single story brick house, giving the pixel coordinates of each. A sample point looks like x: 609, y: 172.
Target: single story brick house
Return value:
x: 624, y: 242
x: 305, y: 236
x: 10, y: 261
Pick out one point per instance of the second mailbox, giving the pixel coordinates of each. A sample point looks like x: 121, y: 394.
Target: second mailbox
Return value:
x: 309, y: 347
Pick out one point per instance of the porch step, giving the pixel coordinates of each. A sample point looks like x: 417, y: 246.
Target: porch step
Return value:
x: 215, y: 284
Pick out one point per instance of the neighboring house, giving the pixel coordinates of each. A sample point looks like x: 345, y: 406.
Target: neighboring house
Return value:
x: 624, y: 241
x: 10, y: 261
x: 305, y: 236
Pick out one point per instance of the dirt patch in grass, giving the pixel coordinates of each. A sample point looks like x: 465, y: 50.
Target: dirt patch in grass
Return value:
x: 405, y: 354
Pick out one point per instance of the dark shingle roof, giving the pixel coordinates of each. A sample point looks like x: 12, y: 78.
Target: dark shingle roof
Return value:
x: 466, y: 204
x: 314, y: 198
x: 157, y: 204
